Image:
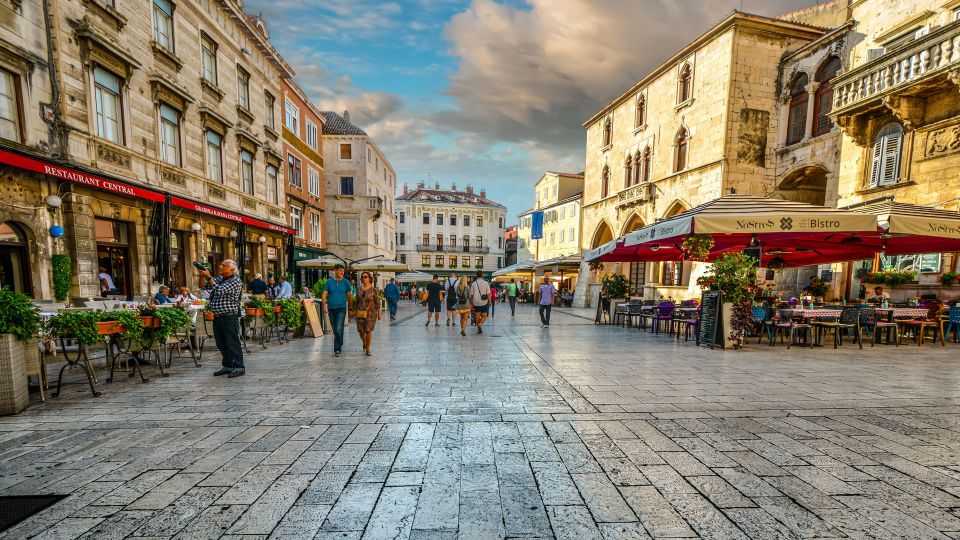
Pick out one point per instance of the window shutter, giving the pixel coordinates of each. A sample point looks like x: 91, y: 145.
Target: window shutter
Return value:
x: 891, y: 159
x: 877, y: 162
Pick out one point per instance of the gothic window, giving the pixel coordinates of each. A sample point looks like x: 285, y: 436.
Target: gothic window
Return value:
x: 607, y: 132
x: 823, y: 100
x: 797, y: 117
x: 684, y: 84
x: 885, y: 169
x: 605, y: 182
x: 637, y: 168
x: 628, y: 172
x: 646, y: 164
x: 680, y: 150
x: 640, y: 116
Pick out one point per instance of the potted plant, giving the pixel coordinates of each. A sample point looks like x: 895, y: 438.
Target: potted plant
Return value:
x: 616, y: 287
x: 78, y: 325
x: 596, y: 265
x: 817, y: 287
x: 19, y: 324
x: 733, y: 274
x: 149, y: 316
x: 948, y: 278
x: 120, y: 321
x: 698, y: 246
x: 319, y: 286
x: 256, y: 306
x: 290, y: 313
x: 170, y: 320
x: 777, y: 263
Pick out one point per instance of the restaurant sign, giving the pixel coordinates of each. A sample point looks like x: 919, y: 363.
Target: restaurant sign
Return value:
x: 230, y: 216
x: 923, y: 226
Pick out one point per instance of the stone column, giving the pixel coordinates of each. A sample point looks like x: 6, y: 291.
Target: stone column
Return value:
x: 811, y: 106
x: 81, y: 244
x: 580, y: 299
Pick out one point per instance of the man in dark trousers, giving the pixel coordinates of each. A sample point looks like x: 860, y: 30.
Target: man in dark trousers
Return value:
x: 434, y: 300
x: 225, y: 305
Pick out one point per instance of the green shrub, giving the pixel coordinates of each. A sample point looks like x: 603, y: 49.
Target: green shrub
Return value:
x: 78, y: 325
x: 62, y: 276
x: 18, y: 315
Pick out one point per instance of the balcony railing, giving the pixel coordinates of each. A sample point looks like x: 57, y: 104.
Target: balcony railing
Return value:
x: 453, y: 249
x: 930, y: 55
x: 376, y: 207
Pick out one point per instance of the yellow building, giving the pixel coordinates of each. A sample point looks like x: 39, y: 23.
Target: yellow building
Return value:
x: 558, y: 196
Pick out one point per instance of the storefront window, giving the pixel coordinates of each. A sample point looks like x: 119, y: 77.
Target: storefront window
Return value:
x: 113, y: 255
x: 14, y: 259
x: 928, y: 263
x: 215, y: 251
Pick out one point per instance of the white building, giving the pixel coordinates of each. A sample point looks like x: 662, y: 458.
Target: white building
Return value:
x: 559, y: 197
x: 359, y: 192
x: 450, y: 231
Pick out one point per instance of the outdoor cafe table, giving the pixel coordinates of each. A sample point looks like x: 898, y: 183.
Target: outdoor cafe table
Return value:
x: 816, y: 313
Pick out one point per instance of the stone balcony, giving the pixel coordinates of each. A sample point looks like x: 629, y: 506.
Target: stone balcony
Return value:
x: 479, y: 250
x: 898, y: 80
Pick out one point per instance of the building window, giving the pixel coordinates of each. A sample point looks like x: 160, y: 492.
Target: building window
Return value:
x: 466, y: 243
x: 479, y: 262
x: 208, y: 55
x: 439, y: 242
x: 797, y: 117
x: 453, y: 219
x: 273, y: 188
x: 9, y: 107
x: 466, y: 221
x: 296, y: 220
x: 885, y: 169
x: 500, y: 222
x: 425, y: 261
x: 269, y: 101
x: 314, y: 227
x: 403, y: 258
x: 243, y: 88
x: 346, y: 185
x: 169, y: 134
x: 348, y: 230
x: 108, y: 104
x: 426, y: 218
x: 214, y: 156
x: 291, y: 117
x: 646, y: 164
x: 499, y: 262
x: 823, y: 99
x: 453, y: 240
x: 684, y: 84
x: 673, y: 273
x: 403, y: 217
x: 294, y: 171
x: 553, y: 239
x: 246, y: 171
x: 605, y: 182
x: 346, y: 151
x: 313, y: 182
x: 500, y: 242
x: 628, y: 172
x: 956, y: 14
x: 453, y: 261
x: 439, y: 219
x: 403, y: 239
x: 312, y: 134
x: 571, y: 237
x: 680, y: 150
x: 640, y: 113
x: 479, y: 221
x: 479, y: 240
x: 439, y: 260
x: 425, y: 240
x: 607, y: 132
x: 163, y: 24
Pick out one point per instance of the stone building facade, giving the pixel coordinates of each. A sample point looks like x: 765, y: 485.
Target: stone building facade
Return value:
x: 559, y: 196
x: 698, y: 126
x: 155, y: 129
x: 359, y: 192
x: 303, y: 190
x: 449, y: 231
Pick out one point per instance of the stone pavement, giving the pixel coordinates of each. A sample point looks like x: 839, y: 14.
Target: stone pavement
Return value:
x: 576, y: 431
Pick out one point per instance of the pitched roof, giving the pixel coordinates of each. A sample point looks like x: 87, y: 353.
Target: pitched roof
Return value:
x: 335, y: 124
x: 446, y: 196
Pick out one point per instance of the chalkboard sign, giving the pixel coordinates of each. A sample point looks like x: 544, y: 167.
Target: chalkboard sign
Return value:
x: 826, y: 275
x: 711, y: 325
x: 770, y: 275
x: 313, y: 317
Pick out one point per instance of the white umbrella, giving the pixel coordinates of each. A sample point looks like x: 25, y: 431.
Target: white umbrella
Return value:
x: 525, y: 268
x: 380, y: 266
x: 413, y: 277
x: 323, y: 263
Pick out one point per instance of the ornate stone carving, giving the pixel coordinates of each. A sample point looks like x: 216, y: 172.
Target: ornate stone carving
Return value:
x: 954, y: 76
x: 837, y: 46
x: 854, y: 127
x: 249, y: 203
x: 216, y: 192
x: 942, y: 141
x: 908, y: 109
x: 172, y: 177
x: 113, y: 156
x: 275, y: 212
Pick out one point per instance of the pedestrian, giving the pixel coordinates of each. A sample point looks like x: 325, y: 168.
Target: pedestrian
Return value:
x: 271, y: 289
x: 284, y: 288
x: 413, y: 293
x: 392, y: 293
x: 462, y: 306
x: 512, y: 290
x: 480, y: 299
x: 494, y: 293
x: 257, y: 287
x: 434, y: 300
x: 107, y: 287
x: 450, y: 292
x: 336, y: 297
x: 367, y: 310
x: 547, y: 292
x: 225, y: 305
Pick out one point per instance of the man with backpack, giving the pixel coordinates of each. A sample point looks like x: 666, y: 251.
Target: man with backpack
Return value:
x: 480, y: 299
x: 449, y: 288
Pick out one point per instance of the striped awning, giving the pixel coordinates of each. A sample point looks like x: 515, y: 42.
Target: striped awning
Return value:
x: 602, y: 250
x: 904, y: 218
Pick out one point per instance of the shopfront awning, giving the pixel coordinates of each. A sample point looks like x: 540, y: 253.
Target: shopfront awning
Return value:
x: 910, y: 228
x: 524, y: 268
x: 566, y: 263
x: 413, y: 277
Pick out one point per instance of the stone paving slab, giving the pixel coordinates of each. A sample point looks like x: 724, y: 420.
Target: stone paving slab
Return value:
x: 575, y: 431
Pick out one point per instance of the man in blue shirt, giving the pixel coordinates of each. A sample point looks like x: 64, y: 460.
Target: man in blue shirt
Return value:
x: 286, y: 290
x: 337, y: 295
x: 392, y: 293
x: 163, y: 296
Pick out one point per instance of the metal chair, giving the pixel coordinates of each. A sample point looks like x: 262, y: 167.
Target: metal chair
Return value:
x: 786, y: 325
x: 849, y: 320
x: 870, y: 323
x: 664, y: 316
x: 953, y: 323
x: 931, y: 322
x: 763, y: 319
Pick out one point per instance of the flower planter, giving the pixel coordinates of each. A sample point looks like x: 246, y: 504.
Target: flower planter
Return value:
x: 277, y: 309
x: 109, y: 328
x: 256, y: 312
x: 13, y: 374
x: 151, y: 321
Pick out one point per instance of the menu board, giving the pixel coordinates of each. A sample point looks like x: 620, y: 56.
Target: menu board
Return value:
x: 711, y: 325
x: 313, y: 317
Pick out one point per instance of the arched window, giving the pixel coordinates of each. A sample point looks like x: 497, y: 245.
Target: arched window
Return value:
x: 607, y: 132
x: 14, y: 258
x: 646, y: 164
x: 680, y: 150
x: 885, y: 169
x: 605, y: 182
x: 823, y: 100
x: 637, y: 170
x: 683, y: 84
x: 640, y: 115
x: 628, y: 172
x: 797, y: 117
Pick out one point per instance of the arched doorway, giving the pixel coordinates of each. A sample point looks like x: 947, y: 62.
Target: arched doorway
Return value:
x: 636, y: 271
x: 14, y: 258
x: 602, y: 235
x: 807, y: 185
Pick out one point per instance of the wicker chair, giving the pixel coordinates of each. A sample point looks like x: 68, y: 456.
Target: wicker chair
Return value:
x: 931, y: 322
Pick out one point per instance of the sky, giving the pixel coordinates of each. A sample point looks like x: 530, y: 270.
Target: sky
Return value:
x: 489, y: 93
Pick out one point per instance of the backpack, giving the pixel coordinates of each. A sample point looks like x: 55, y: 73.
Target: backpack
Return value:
x: 461, y: 296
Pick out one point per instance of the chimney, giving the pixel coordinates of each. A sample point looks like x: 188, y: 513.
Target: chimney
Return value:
x: 470, y: 189
x: 438, y: 186
x: 346, y: 115
x: 405, y: 188
x: 453, y: 186
x: 419, y: 185
x: 483, y: 194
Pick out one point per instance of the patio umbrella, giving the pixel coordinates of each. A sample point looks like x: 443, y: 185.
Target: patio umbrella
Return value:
x: 565, y: 262
x: 322, y: 263
x: 910, y: 228
x: 413, y: 277
x: 519, y: 269
x: 380, y: 266
x: 801, y: 234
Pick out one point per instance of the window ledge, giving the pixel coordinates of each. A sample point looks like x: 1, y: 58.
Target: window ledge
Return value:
x: 245, y: 113
x: 270, y: 132
x: 166, y: 55
x: 638, y: 129
x: 107, y: 12
x: 607, y: 147
x: 683, y: 104
x: 212, y: 88
x: 880, y: 189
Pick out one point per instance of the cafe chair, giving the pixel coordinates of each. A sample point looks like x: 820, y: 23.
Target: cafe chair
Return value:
x: 648, y: 310
x: 873, y: 326
x: 763, y: 322
x: 953, y: 323
x: 786, y: 325
x: 920, y: 326
x: 689, y: 322
x: 664, y: 316
x: 849, y: 320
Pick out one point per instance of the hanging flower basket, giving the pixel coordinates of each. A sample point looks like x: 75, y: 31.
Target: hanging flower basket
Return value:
x: 255, y: 312
x: 150, y: 321
x: 109, y: 328
x: 698, y: 246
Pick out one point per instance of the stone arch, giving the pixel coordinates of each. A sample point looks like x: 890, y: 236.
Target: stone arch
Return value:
x: 19, y: 254
x: 632, y: 223
x: 806, y: 184
x: 677, y: 207
x: 601, y: 235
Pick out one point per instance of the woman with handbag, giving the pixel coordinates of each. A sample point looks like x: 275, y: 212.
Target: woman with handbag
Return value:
x: 462, y: 306
x: 367, y: 311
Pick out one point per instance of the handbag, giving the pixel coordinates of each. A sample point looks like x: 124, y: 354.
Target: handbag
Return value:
x: 361, y: 314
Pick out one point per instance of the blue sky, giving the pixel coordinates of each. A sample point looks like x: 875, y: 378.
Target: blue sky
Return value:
x: 483, y: 92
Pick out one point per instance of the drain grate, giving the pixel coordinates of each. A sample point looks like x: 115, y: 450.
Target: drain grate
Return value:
x: 13, y: 510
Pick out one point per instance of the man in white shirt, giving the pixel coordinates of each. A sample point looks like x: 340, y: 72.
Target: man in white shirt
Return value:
x: 480, y: 299
x: 106, y: 283
x: 286, y: 290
